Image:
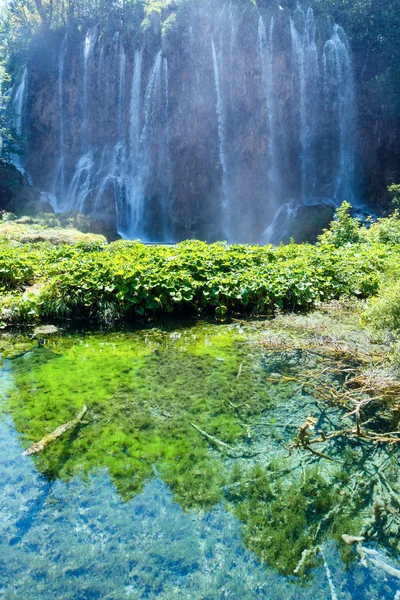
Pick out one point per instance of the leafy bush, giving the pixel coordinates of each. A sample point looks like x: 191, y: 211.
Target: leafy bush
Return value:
x: 344, y: 229
x: 17, y: 267
x: 8, y: 216
x: 74, y: 219
x: 93, y: 280
x: 384, y: 311
x: 48, y: 219
x: 386, y: 230
x: 394, y: 190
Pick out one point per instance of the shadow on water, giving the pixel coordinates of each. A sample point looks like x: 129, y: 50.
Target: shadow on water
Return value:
x: 179, y: 483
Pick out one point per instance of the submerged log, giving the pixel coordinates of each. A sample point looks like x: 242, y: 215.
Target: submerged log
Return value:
x: 57, y: 433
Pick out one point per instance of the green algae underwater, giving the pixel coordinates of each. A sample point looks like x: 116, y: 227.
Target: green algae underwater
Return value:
x: 211, y: 411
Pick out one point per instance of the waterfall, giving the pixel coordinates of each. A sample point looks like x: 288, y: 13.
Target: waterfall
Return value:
x: 282, y: 225
x: 134, y: 121
x: 166, y: 208
x: 145, y: 157
x: 339, y: 90
x: 18, y: 98
x: 225, y: 133
x: 305, y: 58
x: 132, y: 203
x: 233, y: 33
x: 129, y: 214
x: 153, y: 87
x: 76, y: 195
x: 59, y: 184
x: 221, y: 139
x: 80, y: 185
x: 324, y: 86
x: 113, y: 166
x: 88, y: 56
x: 100, y: 70
x: 121, y: 91
x: 266, y: 47
x: 126, y: 167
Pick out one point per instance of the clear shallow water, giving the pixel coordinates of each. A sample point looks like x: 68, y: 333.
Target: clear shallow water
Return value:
x: 134, y: 507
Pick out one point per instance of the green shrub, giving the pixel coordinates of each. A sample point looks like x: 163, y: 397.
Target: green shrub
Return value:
x: 128, y: 279
x: 17, y: 267
x: 47, y: 219
x: 394, y: 190
x: 8, y: 216
x: 75, y: 220
x: 26, y: 220
x: 87, y: 278
x: 383, y: 313
x: 385, y: 230
x: 344, y: 229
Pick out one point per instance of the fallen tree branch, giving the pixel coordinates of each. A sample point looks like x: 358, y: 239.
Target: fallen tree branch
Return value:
x: 375, y: 558
x: 57, y: 433
x: 232, y: 452
x: 211, y: 438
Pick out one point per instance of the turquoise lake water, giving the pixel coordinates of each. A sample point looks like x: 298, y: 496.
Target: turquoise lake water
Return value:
x: 136, y: 503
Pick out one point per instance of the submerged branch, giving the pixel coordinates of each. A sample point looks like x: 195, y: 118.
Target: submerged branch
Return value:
x: 57, y: 433
x: 211, y: 438
x: 232, y: 451
x: 372, y: 556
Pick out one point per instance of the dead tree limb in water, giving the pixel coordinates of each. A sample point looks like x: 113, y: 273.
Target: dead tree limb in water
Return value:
x: 57, y: 433
x: 211, y: 438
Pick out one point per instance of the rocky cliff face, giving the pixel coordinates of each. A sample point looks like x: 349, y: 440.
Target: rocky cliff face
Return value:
x: 17, y: 195
x: 215, y: 121
x: 379, y: 148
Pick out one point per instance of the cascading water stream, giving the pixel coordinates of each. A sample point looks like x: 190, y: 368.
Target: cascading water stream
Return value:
x: 18, y: 99
x: 127, y: 212
x: 59, y: 184
x: 80, y: 185
x: 135, y: 105
x: 221, y: 139
x: 88, y: 58
x: 121, y: 92
x: 76, y: 195
x: 153, y: 87
x: 338, y: 87
x: 306, y: 72
x: 127, y: 167
x: 233, y: 35
x: 143, y: 156
x: 323, y: 83
x: 266, y: 47
x: 166, y: 208
x: 137, y: 189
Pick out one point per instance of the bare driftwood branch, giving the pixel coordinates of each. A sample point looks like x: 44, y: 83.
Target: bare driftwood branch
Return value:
x: 212, y: 438
x: 57, y: 433
x: 372, y: 556
x: 232, y: 451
